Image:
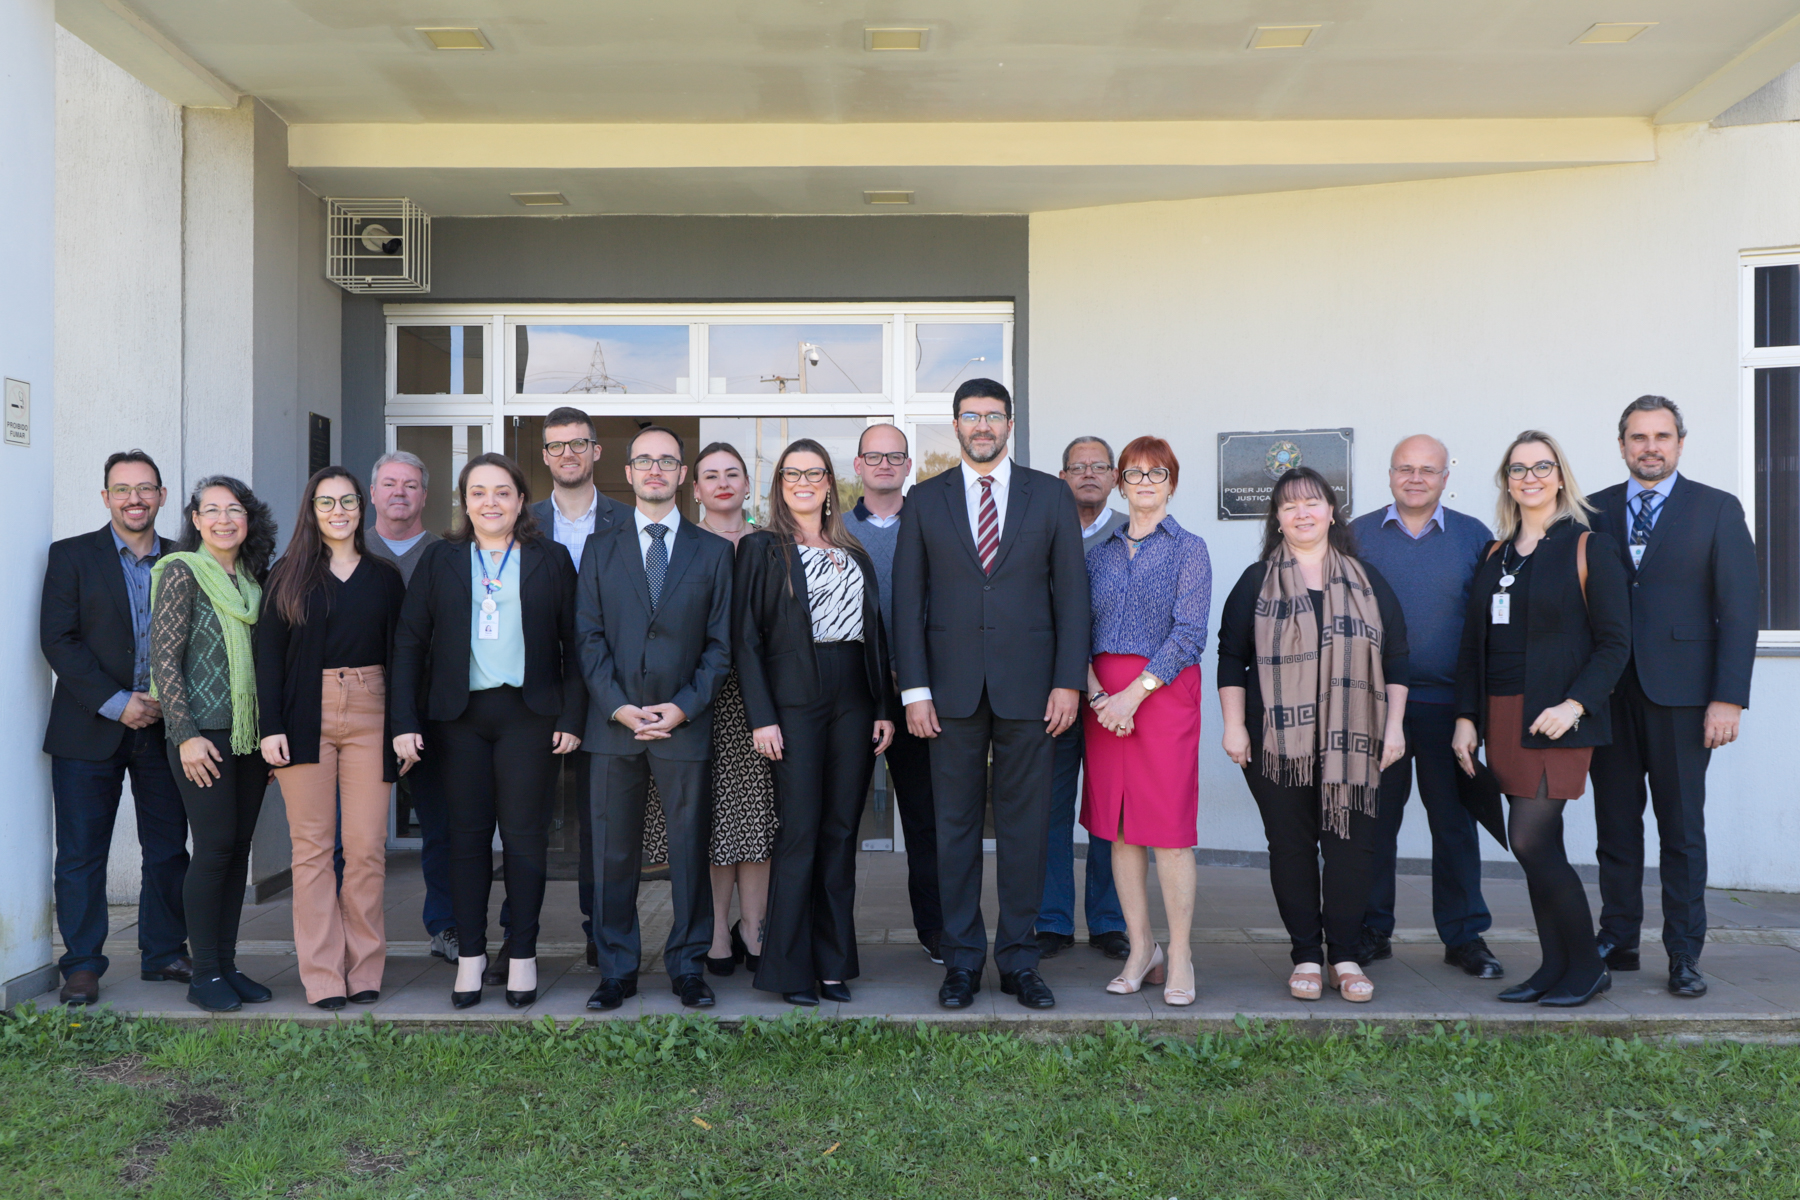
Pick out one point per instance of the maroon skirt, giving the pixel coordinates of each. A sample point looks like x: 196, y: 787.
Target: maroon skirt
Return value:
x: 1520, y: 769
x: 1147, y: 784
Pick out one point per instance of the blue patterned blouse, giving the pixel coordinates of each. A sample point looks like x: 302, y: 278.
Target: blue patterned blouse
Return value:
x: 1155, y: 604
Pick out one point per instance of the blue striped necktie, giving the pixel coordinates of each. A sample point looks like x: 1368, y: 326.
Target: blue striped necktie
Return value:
x: 656, y: 563
x: 1649, y: 503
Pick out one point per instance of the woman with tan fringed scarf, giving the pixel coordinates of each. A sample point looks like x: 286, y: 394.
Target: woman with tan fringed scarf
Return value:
x: 1314, y: 719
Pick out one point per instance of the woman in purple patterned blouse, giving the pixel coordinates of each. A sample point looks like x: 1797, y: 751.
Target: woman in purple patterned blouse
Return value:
x: 1151, y: 584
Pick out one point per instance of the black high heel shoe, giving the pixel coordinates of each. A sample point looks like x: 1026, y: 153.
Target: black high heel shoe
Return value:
x: 805, y: 998
x: 468, y: 999
x: 837, y: 993
x: 740, y: 949
x: 1561, y: 997
x: 526, y: 998
x: 721, y: 966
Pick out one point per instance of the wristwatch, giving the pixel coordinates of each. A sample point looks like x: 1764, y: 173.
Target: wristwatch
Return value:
x: 1149, y: 682
x: 1097, y: 697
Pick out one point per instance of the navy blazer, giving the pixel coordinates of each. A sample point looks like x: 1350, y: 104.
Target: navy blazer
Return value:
x: 1693, y: 599
x: 607, y: 513
x: 84, y: 627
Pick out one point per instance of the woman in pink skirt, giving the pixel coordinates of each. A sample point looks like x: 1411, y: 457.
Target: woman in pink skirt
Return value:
x: 1151, y: 584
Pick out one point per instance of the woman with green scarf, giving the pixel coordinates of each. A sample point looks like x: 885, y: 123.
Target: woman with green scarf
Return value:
x: 205, y: 598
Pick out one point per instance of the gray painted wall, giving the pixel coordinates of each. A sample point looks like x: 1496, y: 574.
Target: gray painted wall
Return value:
x: 677, y: 259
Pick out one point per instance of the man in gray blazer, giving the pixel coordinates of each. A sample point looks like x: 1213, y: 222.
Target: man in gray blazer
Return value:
x: 653, y: 627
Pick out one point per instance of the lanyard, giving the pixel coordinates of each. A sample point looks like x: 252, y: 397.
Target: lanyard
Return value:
x: 492, y: 582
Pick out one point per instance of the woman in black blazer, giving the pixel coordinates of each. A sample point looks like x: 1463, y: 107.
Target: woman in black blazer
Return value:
x: 487, y: 640
x: 1545, y: 637
x: 813, y: 665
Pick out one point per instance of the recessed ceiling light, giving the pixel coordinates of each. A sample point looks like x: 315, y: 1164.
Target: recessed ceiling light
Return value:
x: 462, y: 38
x: 887, y: 197
x: 1281, y: 37
x: 894, y: 39
x: 541, y: 199
x: 1612, y: 33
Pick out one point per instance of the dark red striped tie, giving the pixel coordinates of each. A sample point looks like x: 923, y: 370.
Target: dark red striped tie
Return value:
x: 989, y: 541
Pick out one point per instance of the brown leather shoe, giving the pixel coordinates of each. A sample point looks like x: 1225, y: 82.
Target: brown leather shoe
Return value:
x: 181, y: 970
x: 81, y: 987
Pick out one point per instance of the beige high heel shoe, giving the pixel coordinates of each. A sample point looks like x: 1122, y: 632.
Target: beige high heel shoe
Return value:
x: 1304, y: 984
x: 1350, y: 982
x: 1154, y: 972
x: 1176, y: 997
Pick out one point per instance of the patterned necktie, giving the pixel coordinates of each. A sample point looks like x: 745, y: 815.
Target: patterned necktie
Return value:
x: 1649, y: 503
x: 656, y: 563
x: 989, y: 522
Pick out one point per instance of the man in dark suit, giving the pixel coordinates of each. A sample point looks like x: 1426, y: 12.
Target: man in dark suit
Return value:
x: 991, y: 628
x: 95, y: 630
x: 1692, y: 566
x: 653, y: 622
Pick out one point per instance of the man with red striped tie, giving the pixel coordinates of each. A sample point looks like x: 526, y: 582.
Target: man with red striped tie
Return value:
x: 991, y: 628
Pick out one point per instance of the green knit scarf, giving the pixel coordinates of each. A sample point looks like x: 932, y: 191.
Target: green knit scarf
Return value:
x: 236, y: 605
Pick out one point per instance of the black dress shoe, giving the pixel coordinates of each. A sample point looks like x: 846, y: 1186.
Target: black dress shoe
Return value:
x: 593, y: 955
x: 692, y: 991
x: 1113, y: 943
x: 1522, y: 993
x: 1617, y: 957
x: 496, y: 972
x: 960, y: 986
x: 932, y: 942
x: 1562, y: 997
x: 247, y: 989
x: 81, y: 987
x: 524, y: 999
x: 1685, y: 978
x: 740, y: 949
x: 805, y: 998
x: 330, y: 1003
x: 213, y: 995
x: 368, y: 997
x: 837, y: 993
x: 181, y: 970
x: 1052, y: 944
x: 1029, y: 987
x: 1377, y: 947
x: 611, y: 993
x: 720, y: 966
x: 1475, y: 959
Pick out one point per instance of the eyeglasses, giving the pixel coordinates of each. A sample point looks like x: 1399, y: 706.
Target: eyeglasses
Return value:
x: 143, y: 491
x: 1540, y: 469
x: 1093, y: 468
x: 796, y: 474
x: 873, y: 458
x: 1425, y: 473
x: 349, y: 503
x: 1138, y: 475
x: 576, y: 446
x: 970, y: 420
x: 213, y: 512
x: 644, y: 462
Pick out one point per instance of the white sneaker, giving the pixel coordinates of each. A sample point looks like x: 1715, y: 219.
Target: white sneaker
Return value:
x: 443, y: 945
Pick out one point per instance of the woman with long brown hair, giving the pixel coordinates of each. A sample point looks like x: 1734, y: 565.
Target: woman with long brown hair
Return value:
x: 813, y: 665
x: 322, y: 653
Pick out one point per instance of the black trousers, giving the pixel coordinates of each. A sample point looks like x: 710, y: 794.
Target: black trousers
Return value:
x: 619, y: 788
x: 1667, y: 747
x: 1320, y: 921
x: 1023, y: 755
x: 821, y: 782
x: 909, y: 766
x: 497, y: 766
x: 222, y: 821
x: 574, y: 768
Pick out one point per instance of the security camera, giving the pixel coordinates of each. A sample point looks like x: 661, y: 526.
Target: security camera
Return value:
x: 377, y: 238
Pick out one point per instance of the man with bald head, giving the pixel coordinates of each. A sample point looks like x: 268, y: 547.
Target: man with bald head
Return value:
x: 1429, y: 554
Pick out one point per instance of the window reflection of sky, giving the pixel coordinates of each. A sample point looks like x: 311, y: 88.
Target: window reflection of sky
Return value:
x: 746, y: 355
x: 632, y: 359
x: 943, y: 354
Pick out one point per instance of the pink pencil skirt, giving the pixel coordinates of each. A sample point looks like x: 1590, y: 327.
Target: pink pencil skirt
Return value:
x: 1147, y: 784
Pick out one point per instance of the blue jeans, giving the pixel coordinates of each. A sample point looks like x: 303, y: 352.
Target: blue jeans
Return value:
x: 434, y: 851
x: 1056, y: 914
x: 87, y: 803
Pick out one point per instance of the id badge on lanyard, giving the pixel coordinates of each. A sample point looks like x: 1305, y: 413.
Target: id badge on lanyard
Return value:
x: 487, y: 621
x: 1501, y: 611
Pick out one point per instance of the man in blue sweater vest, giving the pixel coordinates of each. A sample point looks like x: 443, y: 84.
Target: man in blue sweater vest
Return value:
x: 1428, y: 553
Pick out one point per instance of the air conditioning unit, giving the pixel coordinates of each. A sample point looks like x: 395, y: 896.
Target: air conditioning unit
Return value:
x: 380, y: 245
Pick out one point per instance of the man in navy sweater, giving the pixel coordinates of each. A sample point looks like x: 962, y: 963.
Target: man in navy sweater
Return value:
x: 1428, y: 553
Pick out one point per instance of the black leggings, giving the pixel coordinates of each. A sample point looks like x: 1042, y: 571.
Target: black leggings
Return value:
x: 497, y: 767
x: 1559, y: 903
x: 222, y: 821
x: 1297, y: 839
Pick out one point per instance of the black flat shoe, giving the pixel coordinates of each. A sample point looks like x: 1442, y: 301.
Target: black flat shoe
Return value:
x: 805, y: 998
x: 247, y: 989
x: 931, y: 941
x: 960, y: 986
x: 1685, y: 978
x: 740, y: 949
x: 837, y: 993
x: 1029, y: 987
x: 368, y: 997
x: 1112, y: 943
x: 692, y: 991
x: 330, y: 1003
x: 1617, y: 957
x: 1522, y: 993
x: 720, y: 966
x: 495, y: 973
x: 214, y: 995
x: 179, y: 971
x: 523, y: 999
x: 611, y: 994
x: 1475, y: 959
x: 1377, y: 947
x: 1052, y: 944
x: 1561, y: 997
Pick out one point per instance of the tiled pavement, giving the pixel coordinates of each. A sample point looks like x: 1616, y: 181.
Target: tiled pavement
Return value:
x: 1752, y: 963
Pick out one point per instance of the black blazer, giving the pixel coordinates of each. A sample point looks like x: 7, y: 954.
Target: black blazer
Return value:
x: 1573, y: 651
x: 1019, y: 632
x: 1694, y: 601
x: 290, y: 666
x: 772, y: 641
x: 679, y: 655
x: 431, y: 646
x: 84, y: 627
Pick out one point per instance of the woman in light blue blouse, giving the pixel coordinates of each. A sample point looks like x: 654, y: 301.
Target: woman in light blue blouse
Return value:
x: 1151, y: 584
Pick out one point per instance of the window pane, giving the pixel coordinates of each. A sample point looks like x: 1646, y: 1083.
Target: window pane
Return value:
x: 1778, y: 306
x: 596, y: 360
x: 935, y: 450
x: 945, y: 356
x: 762, y: 439
x: 438, y: 360
x: 765, y: 359
x: 1778, y: 495
x: 444, y: 449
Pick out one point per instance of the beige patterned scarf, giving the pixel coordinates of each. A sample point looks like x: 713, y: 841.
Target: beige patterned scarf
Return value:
x: 1331, y: 684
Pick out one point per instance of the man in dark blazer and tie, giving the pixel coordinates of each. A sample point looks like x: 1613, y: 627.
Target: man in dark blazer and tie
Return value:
x: 991, y: 630
x: 653, y: 623
x: 1692, y: 566
x: 94, y: 625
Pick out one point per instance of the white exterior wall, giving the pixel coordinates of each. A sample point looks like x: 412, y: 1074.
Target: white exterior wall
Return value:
x: 1469, y: 308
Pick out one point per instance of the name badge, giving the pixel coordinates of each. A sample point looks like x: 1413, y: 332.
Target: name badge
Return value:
x: 1637, y: 555
x: 1500, y: 613
x: 487, y: 624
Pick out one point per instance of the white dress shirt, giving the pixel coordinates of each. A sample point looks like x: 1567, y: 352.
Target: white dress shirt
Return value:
x: 572, y: 535
x: 672, y: 520
x: 1002, y: 476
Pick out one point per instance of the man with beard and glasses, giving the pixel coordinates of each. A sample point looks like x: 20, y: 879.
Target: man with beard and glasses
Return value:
x: 1692, y: 567
x: 653, y: 623
x: 991, y: 621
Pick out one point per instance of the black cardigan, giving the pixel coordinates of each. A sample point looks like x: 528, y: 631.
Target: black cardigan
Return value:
x: 1573, y: 650
x: 431, y: 647
x: 290, y: 667
x: 772, y: 641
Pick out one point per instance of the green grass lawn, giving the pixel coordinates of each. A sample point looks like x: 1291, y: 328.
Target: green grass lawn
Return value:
x: 94, y: 1105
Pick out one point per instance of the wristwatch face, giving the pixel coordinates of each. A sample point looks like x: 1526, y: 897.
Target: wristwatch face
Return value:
x: 1151, y: 683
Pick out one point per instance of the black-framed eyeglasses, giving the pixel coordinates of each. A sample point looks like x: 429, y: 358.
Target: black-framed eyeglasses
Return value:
x: 349, y: 503
x: 994, y: 420
x: 644, y: 462
x: 1139, y: 474
x: 143, y: 491
x: 1088, y: 468
x: 576, y: 446
x: 873, y: 458
x: 796, y: 474
x: 1540, y: 469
